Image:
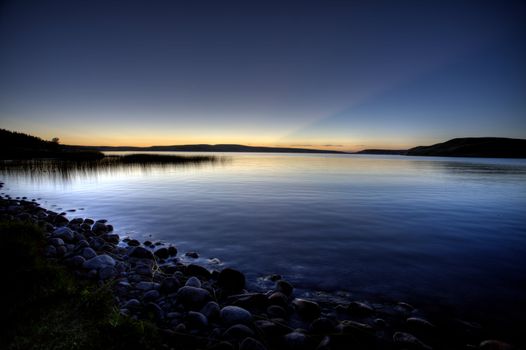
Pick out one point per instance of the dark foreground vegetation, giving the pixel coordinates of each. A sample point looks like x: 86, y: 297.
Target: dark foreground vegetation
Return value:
x: 44, y: 306
x: 74, y: 284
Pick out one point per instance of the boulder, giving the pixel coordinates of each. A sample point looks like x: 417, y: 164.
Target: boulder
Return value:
x: 231, y: 280
x: 64, y: 233
x: 140, y: 253
x: 98, y: 262
x: 306, y: 309
x: 231, y: 315
x: 192, y: 297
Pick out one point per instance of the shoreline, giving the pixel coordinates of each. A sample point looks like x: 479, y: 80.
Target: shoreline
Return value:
x: 149, y: 280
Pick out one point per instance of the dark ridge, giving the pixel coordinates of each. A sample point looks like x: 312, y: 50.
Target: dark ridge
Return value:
x: 383, y: 151
x: 206, y: 148
x: 16, y: 145
x: 488, y: 147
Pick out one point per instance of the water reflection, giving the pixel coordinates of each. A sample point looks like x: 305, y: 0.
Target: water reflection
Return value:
x: 38, y: 170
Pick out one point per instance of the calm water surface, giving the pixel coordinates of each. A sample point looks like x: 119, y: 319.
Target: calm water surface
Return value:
x: 448, y: 231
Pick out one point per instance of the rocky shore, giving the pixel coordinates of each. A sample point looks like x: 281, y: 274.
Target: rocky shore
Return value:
x: 195, y: 307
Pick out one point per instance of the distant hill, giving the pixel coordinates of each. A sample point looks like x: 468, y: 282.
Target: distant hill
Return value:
x: 206, y: 148
x: 383, y: 151
x: 489, y: 147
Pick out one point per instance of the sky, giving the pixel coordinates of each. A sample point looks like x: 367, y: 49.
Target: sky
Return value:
x: 334, y: 74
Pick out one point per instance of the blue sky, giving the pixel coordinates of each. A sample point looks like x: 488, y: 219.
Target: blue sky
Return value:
x: 349, y: 74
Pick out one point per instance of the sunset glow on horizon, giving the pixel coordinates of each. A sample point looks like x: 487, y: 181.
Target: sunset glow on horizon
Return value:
x: 326, y: 75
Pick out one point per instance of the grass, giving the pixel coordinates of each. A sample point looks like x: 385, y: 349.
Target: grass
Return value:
x: 45, y: 307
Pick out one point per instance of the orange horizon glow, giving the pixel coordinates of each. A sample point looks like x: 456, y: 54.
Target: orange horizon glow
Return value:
x: 124, y: 140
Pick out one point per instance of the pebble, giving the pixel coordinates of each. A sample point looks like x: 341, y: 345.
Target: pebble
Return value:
x: 295, y: 340
x: 306, y: 309
x: 359, y: 309
x: 409, y: 340
x: 196, y: 320
x: 193, y: 255
x: 169, y: 285
x: 250, y: 343
x: 88, y: 253
x: 193, y: 282
x: 144, y: 285
x: 192, y: 297
x: 231, y: 315
x: 238, y: 332
x: 64, y: 233
x: 107, y: 273
x: 211, y: 310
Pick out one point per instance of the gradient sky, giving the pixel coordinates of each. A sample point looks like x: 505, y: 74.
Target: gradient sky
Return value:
x: 334, y: 74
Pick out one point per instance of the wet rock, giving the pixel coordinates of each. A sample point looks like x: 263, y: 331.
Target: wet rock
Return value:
x: 64, y: 233
x: 56, y: 241
x: 495, y: 345
x: 306, y: 309
x: 98, y: 262
x: 419, y: 325
x: 231, y: 315
x: 211, y: 310
x: 172, y: 251
x: 197, y: 270
x: 193, y: 282
x: 349, y: 327
x: 196, y: 320
x: 77, y: 261
x: 140, y: 253
x: 359, y: 309
x: 151, y: 295
x: 223, y: 345
x: 96, y: 243
x: 88, y: 253
x: 133, y: 304
x: 169, y: 285
x: 193, y: 255
x: 409, y: 340
x: 60, y: 220
x: 250, y: 301
x: 162, y: 253
x: 144, y: 285
x: 325, y: 344
x: 61, y: 250
x: 111, y: 238
x: 251, y: 344
x: 284, y: 287
x: 89, y: 221
x: 275, y: 311
x: 231, y: 279
x: 107, y: 273
x: 279, y: 299
x: 295, y: 341
x: 144, y: 270
x: 270, y: 329
x: 322, y: 325
x: 133, y: 243
x: 99, y: 228
x: 380, y: 323
x: 238, y: 332
x: 192, y: 297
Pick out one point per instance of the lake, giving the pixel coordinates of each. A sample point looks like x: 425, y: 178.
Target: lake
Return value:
x: 441, y: 231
